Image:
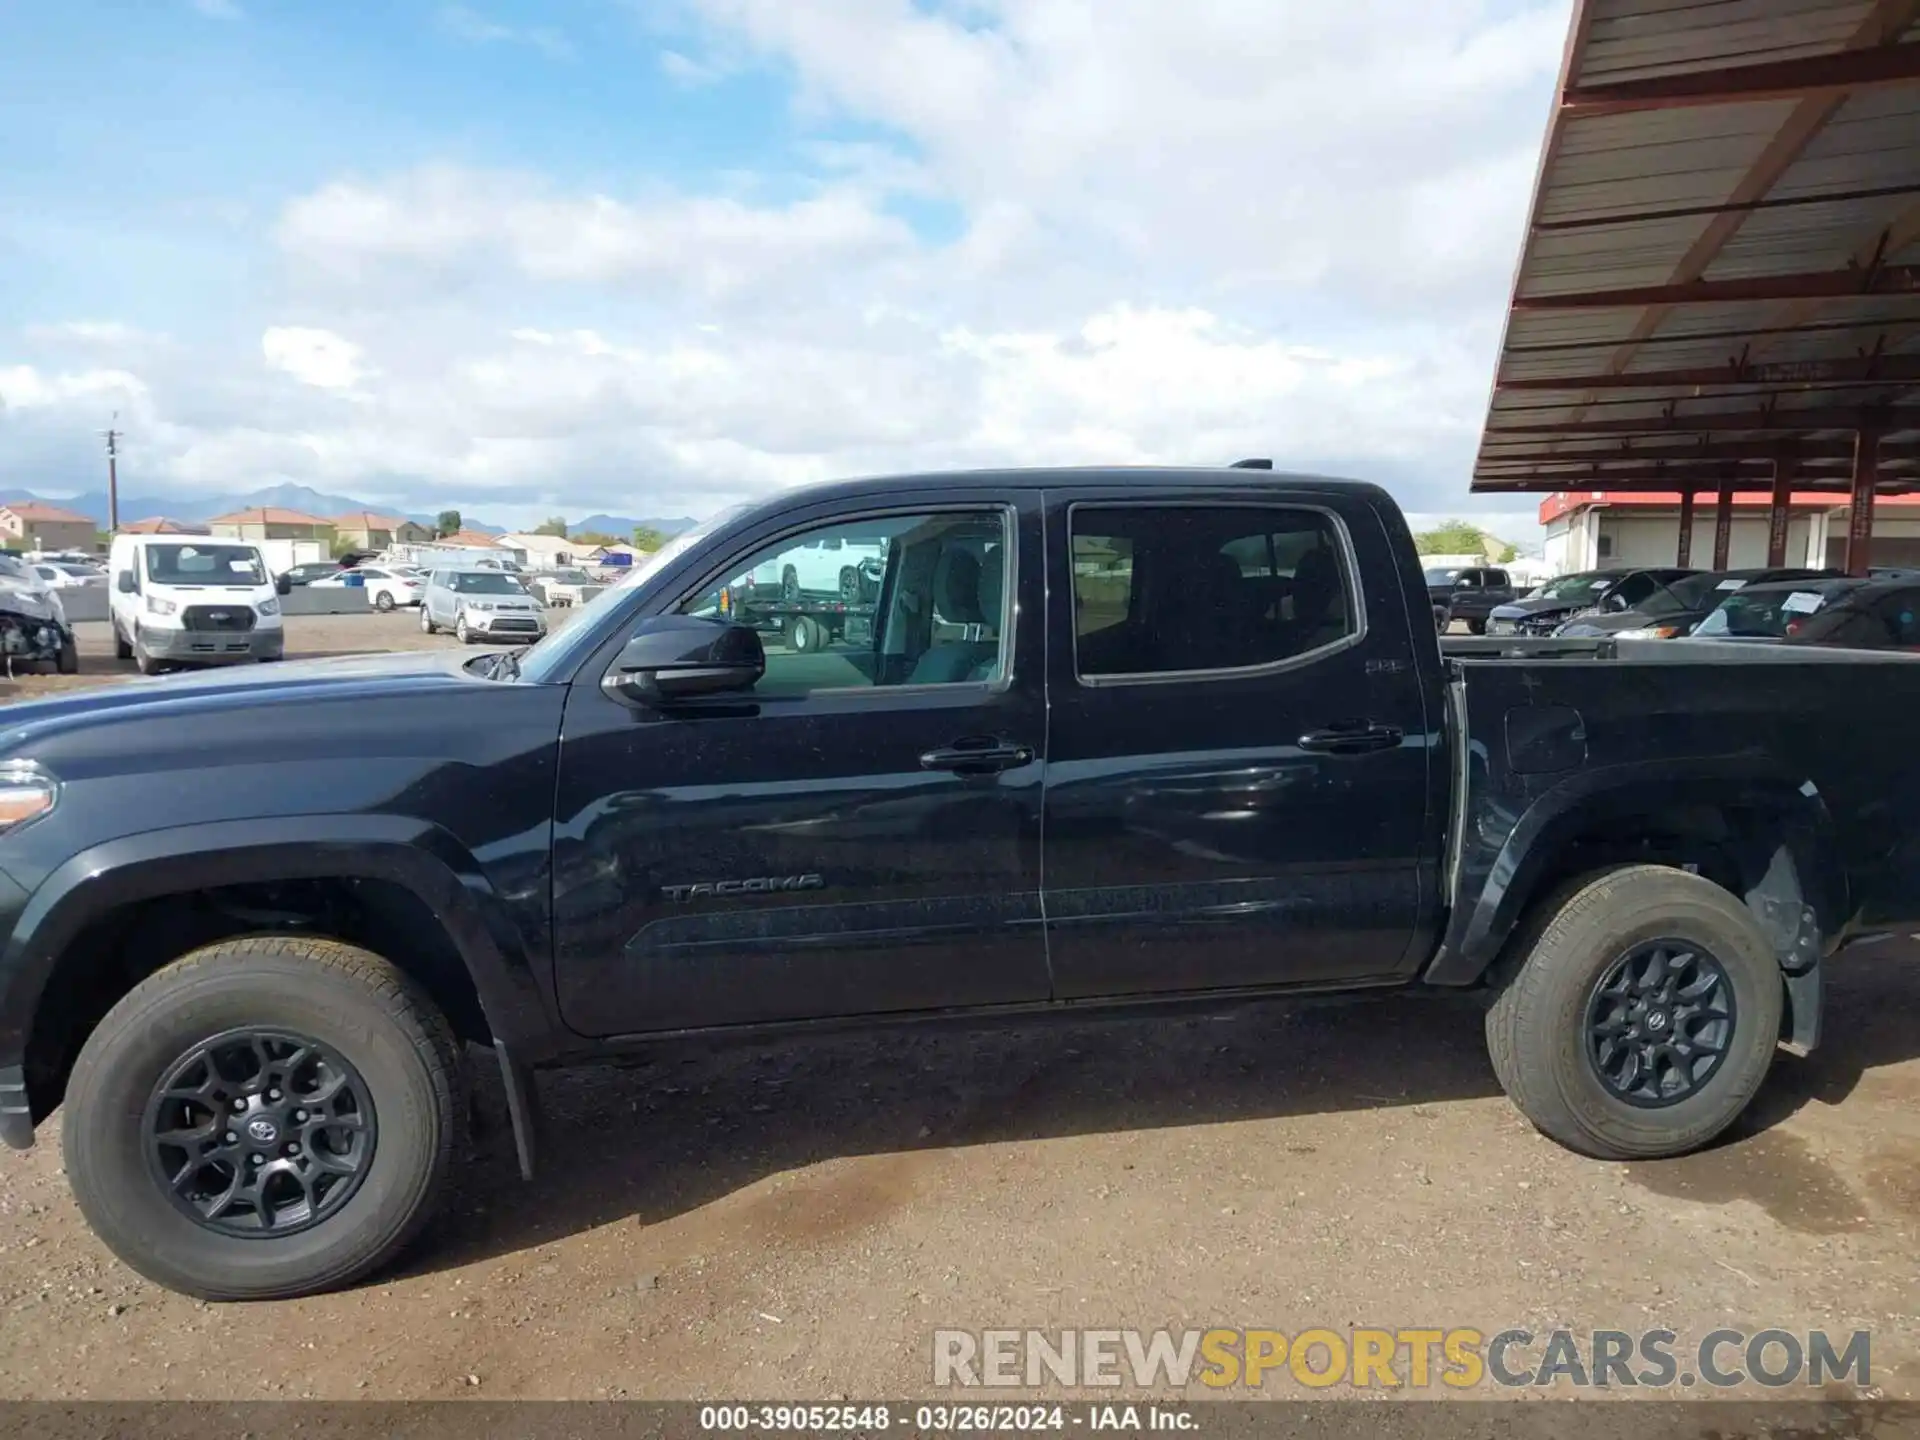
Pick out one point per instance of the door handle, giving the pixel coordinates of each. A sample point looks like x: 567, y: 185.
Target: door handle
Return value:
x: 977, y: 756
x: 1352, y: 739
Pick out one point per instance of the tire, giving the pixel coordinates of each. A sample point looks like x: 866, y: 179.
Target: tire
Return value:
x: 803, y: 637
x: 849, y: 585
x: 1440, y: 620
x: 346, y: 1000
x: 121, y: 649
x: 68, y: 661
x: 142, y: 661
x: 383, y: 601
x: 460, y: 631
x: 1476, y: 627
x: 1537, y: 1028
x: 790, y: 584
x: 427, y: 627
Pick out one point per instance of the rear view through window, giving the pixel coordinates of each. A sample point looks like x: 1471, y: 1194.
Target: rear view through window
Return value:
x: 1162, y: 591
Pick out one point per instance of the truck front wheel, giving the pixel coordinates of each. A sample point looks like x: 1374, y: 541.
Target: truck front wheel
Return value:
x: 264, y: 1118
x: 1642, y: 1017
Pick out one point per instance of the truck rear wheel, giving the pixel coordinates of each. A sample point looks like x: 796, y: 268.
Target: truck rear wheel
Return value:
x: 121, y: 649
x: 1642, y: 1017
x: 267, y: 1117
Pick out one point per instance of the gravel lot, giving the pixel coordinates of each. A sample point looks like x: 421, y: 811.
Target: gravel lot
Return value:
x: 797, y: 1223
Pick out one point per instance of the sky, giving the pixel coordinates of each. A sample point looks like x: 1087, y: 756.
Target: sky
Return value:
x: 652, y: 257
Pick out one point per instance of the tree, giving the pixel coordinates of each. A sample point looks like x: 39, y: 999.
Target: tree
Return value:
x: 555, y: 525
x: 1508, y: 554
x: 591, y: 538
x: 645, y: 537
x: 447, y: 524
x: 1451, y: 537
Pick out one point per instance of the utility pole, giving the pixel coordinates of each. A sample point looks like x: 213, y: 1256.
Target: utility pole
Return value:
x: 113, y: 481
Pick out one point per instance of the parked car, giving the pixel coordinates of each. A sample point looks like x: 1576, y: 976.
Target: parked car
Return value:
x: 566, y: 586
x: 313, y: 570
x: 386, y: 589
x: 1542, y: 611
x: 1879, y: 615
x: 1774, y: 611
x: 33, y: 622
x: 1676, y: 606
x: 480, y: 605
x: 187, y: 600
x: 1225, y: 767
x: 68, y: 577
x: 1469, y: 594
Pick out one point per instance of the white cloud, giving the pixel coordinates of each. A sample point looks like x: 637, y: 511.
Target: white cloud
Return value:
x: 686, y: 71
x: 24, y: 387
x: 313, y: 357
x: 443, y: 218
x: 477, y: 29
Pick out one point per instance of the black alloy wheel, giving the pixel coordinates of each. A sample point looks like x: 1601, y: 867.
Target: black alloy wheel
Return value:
x: 260, y: 1133
x: 1659, y: 1023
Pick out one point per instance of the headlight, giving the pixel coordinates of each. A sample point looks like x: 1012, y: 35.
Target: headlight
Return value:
x: 1648, y: 632
x: 160, y: 605
x: 25, y: 792
x: 270, y: 606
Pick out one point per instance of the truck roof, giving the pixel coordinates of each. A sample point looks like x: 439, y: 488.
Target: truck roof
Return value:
x: 1145, y: 477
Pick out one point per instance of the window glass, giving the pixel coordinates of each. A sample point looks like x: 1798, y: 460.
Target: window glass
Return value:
x: 485, y: 582
x: 1163, y: 590
x: 1497, y: 579
x: 1901, y: 615
x: 1635, y: 588
x: 204, y: 564
x: 879, y: 601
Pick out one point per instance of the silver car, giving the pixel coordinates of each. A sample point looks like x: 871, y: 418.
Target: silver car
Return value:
x: 480, y: 605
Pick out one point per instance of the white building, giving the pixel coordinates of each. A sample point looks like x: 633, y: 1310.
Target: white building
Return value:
x: 1592, y: 529
x: 549, y: 552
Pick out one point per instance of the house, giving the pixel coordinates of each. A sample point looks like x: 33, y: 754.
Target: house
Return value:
x: 470, y: 539
x: 162, y: 525
x: 36, y: 525
x: 271, y: 522
x: 365, y: 530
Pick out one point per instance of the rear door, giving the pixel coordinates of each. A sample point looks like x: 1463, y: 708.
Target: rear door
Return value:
x: 860, y: 833
x: 1237, y: 759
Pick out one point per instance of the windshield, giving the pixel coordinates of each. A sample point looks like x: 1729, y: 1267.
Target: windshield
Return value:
x: 1693, y: 592
x: 1765, y: 613
x: 1575, y: 587
x: 553, y: 654
x: 484, y: 582
x: 205, y: 565
x: 1442, y: 577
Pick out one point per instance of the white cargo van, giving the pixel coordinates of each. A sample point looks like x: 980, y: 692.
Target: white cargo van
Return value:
x: 190, y: 600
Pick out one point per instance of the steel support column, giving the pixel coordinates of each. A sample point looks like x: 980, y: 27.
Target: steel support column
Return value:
x: 1778, y: 513
x: 1684, y: 557
x: 1723, y: 525
x: 1866, y: 473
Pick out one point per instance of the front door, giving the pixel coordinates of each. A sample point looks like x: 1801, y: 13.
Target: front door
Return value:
x: 858, y: 834
x: 1237, y: 772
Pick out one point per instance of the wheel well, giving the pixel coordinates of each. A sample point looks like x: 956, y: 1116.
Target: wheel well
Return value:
x: 125, y: 945
x: 1747, y: 850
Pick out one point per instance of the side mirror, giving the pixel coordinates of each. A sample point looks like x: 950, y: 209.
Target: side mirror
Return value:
x: 676, y: 657
x: 123, y: 582
x: 282, y: 585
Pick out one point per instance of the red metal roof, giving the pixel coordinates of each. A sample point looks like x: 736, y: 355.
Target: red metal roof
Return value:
x: 1723, y: 254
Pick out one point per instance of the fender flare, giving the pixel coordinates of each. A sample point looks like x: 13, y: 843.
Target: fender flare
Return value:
x: 1478, y: 929
x: 420, y: 856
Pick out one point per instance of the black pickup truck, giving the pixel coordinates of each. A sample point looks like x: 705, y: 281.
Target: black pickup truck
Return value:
x: 1115, y: 740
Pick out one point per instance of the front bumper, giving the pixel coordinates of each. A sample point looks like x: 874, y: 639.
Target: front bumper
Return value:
x: 214, y: 647
x: 517, y: 624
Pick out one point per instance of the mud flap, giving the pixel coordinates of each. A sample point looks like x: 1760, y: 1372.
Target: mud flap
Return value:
x: 522, y: 1110
x: 1800, y: 1024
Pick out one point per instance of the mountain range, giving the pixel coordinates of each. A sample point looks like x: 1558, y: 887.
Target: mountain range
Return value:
x: 314, y: 502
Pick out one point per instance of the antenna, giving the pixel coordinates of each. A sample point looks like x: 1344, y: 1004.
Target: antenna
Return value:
x: 1251, y: 465
x: 113, y: 476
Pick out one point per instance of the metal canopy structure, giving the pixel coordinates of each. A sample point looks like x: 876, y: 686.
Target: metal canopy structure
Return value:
x: 1720, y: 284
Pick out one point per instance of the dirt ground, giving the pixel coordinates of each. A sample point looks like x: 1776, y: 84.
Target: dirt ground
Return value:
x: 797, y: 1223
